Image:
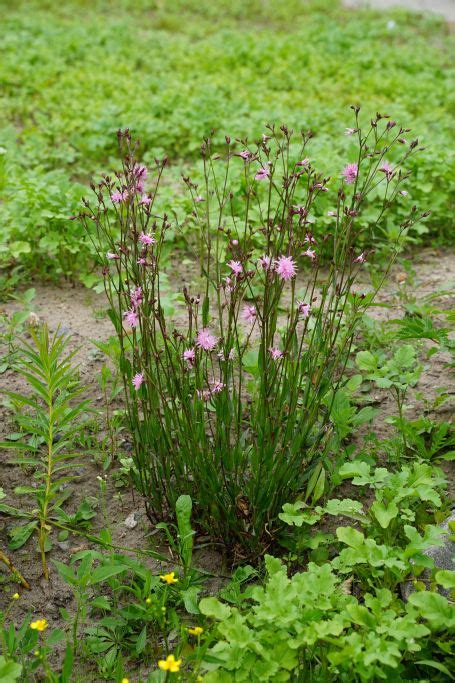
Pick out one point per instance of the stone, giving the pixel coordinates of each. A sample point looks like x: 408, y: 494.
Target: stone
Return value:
x: 443, y: 557
x: 131, y: 522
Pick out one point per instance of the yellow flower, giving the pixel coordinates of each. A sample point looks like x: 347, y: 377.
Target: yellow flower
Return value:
x: 125, y: 680
x: 16, y: 596
x: 39, y: 625
x: 170, y: 664
x: 196, y: 630
x: 169, y: 578
x: 148, y: 601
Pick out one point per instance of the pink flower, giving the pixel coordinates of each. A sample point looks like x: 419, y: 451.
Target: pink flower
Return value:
x: 387, y: 169
x: 229, y: 284
x: 245, y: 154
x: 216, y: 386
x: 304, y: 162
x: 404, y: 193
x: 310, y: 253
x: 262, y: 174
x: 112, y: 257
x: 304, y: 308
x: 141, y: 262
x: 189, y: 356
x: 350, y: 173
x: 199, y: 199
x: 275, y: 353
x: 137, y: 380
x: 131, y: 318
x: 230, y: 356
x: 145, y: 201
x: 147, y: 239
x: 361, y: 258
x: 266, y: 262
x: 309, y: 238
x: 285, y: 267
x: 331, y: 213
x: 236, y: 267
x: 140, y: 171
x: 136, y: 298
x: 206, y: 340
x: 350, y: 131
x: 118, y: 197
x: 249, y: 314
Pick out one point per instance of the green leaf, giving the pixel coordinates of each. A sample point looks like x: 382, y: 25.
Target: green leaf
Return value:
x: 346, y: 507
x: 183, y: 508
x: 190, y: 598
x: 350, y: 536
x: 9, y: 670
x: 435, y: 608
x: 295, y: 514
x: 103, y: 573
x: 384, y: 514
x: 20, y: 535
x: 65, y: 572
x: 404, y: 357
x: 358, y: 470
x: 141, y: 641
x: 445, y: 578
x: 211, y: 607
x: 436, y: 665
x: 67, y: 666
x: 366, y: 361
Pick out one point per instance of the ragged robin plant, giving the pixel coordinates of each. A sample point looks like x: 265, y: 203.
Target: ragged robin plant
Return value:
x: 230, y: 406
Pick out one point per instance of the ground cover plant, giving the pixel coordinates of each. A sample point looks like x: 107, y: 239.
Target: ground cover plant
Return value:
x: 69, y: 88
x: 228, y: 456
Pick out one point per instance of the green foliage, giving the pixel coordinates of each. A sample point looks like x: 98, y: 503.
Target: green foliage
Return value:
x: 389, y: 547
x: 74, y: 73
x: 396, y: 374
x: 124, y: 610
x: 9, y: 671
x: 49, y: 419
x: 307, y: 625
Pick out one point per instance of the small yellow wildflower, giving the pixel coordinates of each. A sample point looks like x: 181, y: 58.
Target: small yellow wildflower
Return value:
x: 37, y: 653
x: 196, y: 630
x: 148, y: 601
x: 170, y: 664
x: 125, y: 680
x: 39, y: 625
x: 169, y: 578
x: 16, y: 596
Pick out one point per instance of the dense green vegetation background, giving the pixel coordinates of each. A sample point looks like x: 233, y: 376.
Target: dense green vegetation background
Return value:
x: 73, y: 72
